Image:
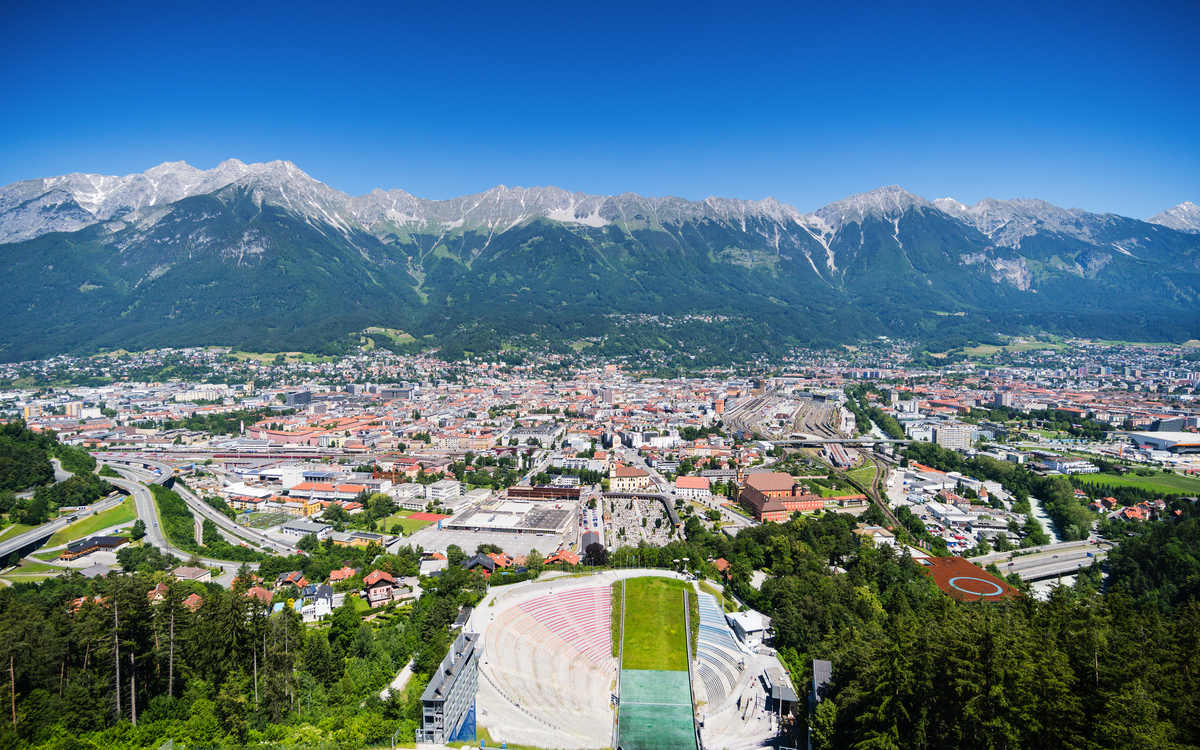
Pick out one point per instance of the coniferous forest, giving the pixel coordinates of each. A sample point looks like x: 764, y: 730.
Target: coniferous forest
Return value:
x: 1109, y: 663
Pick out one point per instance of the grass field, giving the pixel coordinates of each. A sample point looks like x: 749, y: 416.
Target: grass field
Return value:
x: 32, y: 572
x: 33, y: 567
x: 654, y: 625
x: 839, y: 492
x: 1158, y: 482
x: 29, y: 578
x: 122, y: 514
x: 16, y: 529
x: 985, y: 350
x: 864, y: 475
x: 289, y: 357
x: 401, y: 519
x: 615, y: 620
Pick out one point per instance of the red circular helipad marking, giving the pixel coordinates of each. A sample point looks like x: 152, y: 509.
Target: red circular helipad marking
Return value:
x: 981, y: 583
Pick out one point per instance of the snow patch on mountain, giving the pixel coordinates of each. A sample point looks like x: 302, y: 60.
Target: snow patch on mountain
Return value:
x: 886, y: 203
x: 1185, y: 217
x: 950, y: 206
x: 1008, y: 222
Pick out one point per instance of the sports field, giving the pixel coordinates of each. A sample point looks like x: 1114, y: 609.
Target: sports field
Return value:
x: 1159, y: 482
x: 654, y: 625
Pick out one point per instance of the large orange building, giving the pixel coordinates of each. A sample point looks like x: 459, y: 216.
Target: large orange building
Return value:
x: 775, y: 496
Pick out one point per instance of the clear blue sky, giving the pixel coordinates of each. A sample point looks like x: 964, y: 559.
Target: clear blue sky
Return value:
x: 1095, y: 105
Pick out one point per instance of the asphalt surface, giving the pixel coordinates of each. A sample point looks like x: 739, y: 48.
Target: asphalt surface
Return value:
x: 143, y: 502
x: 46, y: 530
x: 205, y: 511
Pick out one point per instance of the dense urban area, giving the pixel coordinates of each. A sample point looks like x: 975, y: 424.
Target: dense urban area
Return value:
x: 876, y: 546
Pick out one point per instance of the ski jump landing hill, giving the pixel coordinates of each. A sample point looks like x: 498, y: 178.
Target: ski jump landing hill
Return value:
x: 548, y: 676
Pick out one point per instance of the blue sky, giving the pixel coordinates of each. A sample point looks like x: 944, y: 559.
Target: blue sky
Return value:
x: 1092, y: 105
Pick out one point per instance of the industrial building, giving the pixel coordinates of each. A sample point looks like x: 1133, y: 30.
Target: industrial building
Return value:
x: 1175, y: 442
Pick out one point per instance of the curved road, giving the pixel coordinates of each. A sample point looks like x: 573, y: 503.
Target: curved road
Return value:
x: 46, y: 530
x: 143, y: 501
x: 205, y: 511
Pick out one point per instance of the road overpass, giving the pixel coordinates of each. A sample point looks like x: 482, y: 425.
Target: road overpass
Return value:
x: 201, y: 509
x: 143, y: 502
x: 1047, y: 562
x: 33, y: 538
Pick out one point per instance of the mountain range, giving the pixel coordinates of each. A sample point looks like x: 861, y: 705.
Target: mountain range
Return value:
x: 264, y: 257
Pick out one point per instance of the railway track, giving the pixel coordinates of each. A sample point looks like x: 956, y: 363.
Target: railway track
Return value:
x: 872, y: 492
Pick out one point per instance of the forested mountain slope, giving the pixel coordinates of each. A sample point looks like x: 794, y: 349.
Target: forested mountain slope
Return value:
x: 273, y: 259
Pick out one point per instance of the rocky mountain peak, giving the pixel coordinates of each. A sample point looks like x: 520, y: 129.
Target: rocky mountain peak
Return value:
x: 1185, y: 217
x: 886, y: 203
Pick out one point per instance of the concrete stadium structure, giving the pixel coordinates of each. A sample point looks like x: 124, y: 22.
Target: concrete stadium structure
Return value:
x: 547, y: 677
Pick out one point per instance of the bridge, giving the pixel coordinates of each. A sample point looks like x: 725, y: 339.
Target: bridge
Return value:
x: 799, y: 438
x: 840, y: 441
x: 1047, y: 562
x: 165, y: 472
x: 34, y: 538
x: 232, y: 531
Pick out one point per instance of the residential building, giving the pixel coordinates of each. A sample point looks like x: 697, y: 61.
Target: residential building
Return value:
x: 693, y: 488
x: 953, y: 437
x: 449, y: 699
x: 379, y: 586
x: 192, y: 574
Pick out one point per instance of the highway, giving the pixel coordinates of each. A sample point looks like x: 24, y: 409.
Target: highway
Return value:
x: 1049, y: 561
x: 143, y: 502
x: 46, y: 530
x: 202, y: 509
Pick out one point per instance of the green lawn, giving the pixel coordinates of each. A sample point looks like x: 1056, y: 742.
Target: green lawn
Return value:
x: 31, y: 578
x: 654, y: 635
x: 839, y: 492
x: 401, y: 519
x: 864, y: 475
x: 122, y: 514
x: 615, y: 620
x: 984, y: 350
x: 1159, y: 482
x: 32, y: 567
x: 17, y: 529
x: 32, y: 572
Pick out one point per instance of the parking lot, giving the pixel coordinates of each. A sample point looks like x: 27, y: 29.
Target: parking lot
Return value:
x: 514, y: 544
